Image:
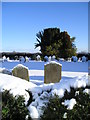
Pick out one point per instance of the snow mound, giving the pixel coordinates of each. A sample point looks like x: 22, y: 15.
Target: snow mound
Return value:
x: 16, y: 85
x: 5, y: 71
x: 33, y: 112
x: 41, y: 93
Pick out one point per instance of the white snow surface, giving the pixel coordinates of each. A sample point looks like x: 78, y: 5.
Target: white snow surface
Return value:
x: 16, y: 85
x: 70, y: 103
x: 20, y: 66
x: 53, y: 62
x: 41, y: 91
x: 33, y: 112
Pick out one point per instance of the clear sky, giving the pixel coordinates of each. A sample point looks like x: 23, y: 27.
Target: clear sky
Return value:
x: 22, y: 20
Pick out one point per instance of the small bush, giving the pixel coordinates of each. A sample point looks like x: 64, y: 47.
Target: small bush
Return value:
x: 55, y: 110
x: 81, y: 111
x: 13, y: 108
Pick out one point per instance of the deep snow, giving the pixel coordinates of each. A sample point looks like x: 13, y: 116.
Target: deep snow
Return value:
x: 73, y: 74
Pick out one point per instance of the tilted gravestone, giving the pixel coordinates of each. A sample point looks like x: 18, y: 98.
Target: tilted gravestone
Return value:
x: 52, y: 72
x: 21, y: 71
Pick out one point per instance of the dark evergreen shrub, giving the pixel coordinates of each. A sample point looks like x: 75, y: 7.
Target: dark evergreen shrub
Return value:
x: 13, y: 108
x: 55, y: 110
x: 81, y: 110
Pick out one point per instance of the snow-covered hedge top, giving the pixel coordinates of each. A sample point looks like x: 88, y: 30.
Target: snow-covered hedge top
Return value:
x: 53, y: 62
x: 70, y: 103
x: 39, y: 93
x: 16, y: 85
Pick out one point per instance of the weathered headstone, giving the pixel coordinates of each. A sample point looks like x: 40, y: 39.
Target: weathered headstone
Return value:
x: 21, y: 72
x: 52, y: 72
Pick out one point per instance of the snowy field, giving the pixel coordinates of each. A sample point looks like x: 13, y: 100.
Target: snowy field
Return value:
x: 73, y: 74
x: 36, y: 69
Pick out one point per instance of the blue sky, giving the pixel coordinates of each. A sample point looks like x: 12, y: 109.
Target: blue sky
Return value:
x: 89, y: 27
x: 22, y: 20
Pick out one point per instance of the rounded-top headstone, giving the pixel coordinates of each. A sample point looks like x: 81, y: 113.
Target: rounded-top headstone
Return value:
x: 53, y: 58
x: 8, y: 58
x: 38, y: 58
x: 46, y: 58
x: 26, y: 59
x: 21, y: 71
x: 49, y: 58
x: 52, y: 72
x: 22, y: 59
x: 83, y: 59
x: 4, y: 58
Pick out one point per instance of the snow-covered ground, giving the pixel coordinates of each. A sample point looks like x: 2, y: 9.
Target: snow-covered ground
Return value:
x: 39, y: 65
x: 73, y: 74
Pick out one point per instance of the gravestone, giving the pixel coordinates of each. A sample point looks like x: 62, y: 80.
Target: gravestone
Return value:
x: 52, y: 72
x: 26, y: 59
x: 49, y: 58
x: 21, y: 72
x: 38, y: 58
x: 22, y: 59
x: 4, y: 59
x: 46, y: 58
x: 83, y: 59
x: 74, y: 59
x: 53, y: 58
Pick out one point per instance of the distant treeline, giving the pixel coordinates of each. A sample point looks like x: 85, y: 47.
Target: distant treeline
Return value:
x: 17, y: 55
x: 79, y: 55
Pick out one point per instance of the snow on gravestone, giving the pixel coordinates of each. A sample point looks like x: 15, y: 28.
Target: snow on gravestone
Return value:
x: 52, y: 72
x: 21, y: 71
